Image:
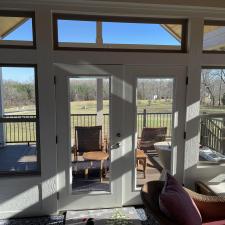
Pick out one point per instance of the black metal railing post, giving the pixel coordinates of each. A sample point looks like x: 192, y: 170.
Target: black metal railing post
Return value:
x: 144, y: 118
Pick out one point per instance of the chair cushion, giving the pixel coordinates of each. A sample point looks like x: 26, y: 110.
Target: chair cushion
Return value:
x: 220, y: 222
x: 176, y: 204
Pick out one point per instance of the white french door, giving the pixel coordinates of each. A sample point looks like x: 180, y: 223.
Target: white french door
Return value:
x: 78, y: 190
x: 148, y: 81
x: 120, y: 186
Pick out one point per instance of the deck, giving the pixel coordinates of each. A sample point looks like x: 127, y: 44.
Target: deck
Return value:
x: 18, y: 157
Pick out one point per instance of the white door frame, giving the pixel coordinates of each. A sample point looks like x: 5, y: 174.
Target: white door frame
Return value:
x: 67, y: 200
x: 131, y: 195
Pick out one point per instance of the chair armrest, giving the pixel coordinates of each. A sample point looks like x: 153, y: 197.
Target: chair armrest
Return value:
x: 202, y: 188
x: 211, y: 207
x: 138, y: 142
x: 73, y: 148
x: 105, y: 145
x: 74, y: 151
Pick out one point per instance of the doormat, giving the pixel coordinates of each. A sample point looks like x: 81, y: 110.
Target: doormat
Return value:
x: 115, y: 216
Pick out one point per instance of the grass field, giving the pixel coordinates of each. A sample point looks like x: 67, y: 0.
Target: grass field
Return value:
x: 89, y: 107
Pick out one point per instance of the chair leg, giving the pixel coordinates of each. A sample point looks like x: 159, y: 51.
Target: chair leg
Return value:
x: 75, y: 155
x: 101, y: 170
x: 144, y: 167
x: 86, y: 173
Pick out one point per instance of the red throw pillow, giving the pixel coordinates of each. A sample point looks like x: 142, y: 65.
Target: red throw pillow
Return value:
x: 175, y: 203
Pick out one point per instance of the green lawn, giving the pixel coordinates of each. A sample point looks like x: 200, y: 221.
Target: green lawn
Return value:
x: 89, y: 107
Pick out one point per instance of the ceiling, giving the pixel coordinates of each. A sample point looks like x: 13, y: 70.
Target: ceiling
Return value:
x: 8, y: 24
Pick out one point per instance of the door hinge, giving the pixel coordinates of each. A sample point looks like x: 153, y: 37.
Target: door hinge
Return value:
x: 55, y: 80
x: 186, y: 80
x: 185, y: 134
x: 56, y: 139
x: 57, y: 195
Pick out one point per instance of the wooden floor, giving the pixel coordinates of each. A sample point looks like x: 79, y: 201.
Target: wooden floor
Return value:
x: 153, y: 170
x: 92, y: 183
x: 18, y: 157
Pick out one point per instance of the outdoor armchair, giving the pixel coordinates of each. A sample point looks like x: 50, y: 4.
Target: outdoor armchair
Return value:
x: 88, y: 139
x: 149, y: 136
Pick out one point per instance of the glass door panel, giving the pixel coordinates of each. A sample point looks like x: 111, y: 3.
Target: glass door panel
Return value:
x: 89, y: 152
x: 90, y: 133
x: 154, y: 107
x: 154, y: 139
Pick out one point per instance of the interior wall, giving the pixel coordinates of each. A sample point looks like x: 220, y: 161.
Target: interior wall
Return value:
x: 35, y: 195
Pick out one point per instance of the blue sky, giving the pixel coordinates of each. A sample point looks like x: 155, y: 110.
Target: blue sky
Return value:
x: 114, y: 32
x: 85, y: 31
x: 19, y: 74
x: 22, y: 33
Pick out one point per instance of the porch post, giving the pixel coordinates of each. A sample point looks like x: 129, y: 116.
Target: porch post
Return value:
x: 100, y: 102
x: 223, y: 137
x: 2, y: 138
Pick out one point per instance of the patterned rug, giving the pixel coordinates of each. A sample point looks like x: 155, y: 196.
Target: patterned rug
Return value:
x: 43, y: 220
x: 115, y: 216
x: 59, y: 220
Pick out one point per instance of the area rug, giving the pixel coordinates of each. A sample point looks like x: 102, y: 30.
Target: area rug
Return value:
x: 60, y: 219
x: 43, y: 220
x: 115, y: 216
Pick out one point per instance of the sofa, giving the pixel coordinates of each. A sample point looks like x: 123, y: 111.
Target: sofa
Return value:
x: 211, y: 208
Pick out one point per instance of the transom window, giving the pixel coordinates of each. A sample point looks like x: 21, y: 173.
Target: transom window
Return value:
x: 214, y: 36
x: 17, y: 29
x: 119, y: 33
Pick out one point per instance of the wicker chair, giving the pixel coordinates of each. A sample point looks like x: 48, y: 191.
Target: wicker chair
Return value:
x: 212, y: 208
x: 150, y: 136
x: 88, y: 139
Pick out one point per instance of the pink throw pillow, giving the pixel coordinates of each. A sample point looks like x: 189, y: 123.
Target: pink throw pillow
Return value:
x: 176, y: 204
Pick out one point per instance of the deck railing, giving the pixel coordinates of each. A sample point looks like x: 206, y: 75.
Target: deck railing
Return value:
x: 212, y: 132
x: 22, y: 128
x: 154, y: 120
x: 19, y: 128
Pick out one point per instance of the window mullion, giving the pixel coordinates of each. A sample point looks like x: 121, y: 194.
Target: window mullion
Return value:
x: 99, y: 39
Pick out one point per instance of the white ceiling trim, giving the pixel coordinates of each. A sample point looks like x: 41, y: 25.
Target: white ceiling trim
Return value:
x: 111, y: 7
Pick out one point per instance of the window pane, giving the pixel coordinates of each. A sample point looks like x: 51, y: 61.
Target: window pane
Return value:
x: 214, y: 38
x: 212, y: 116
x: 76, y: 31
x: 154, y: 106
x: 89, y: 111
x: 108, y: 34
x: 141, y: 33
x: 16, y: 31
x: 18, y: 121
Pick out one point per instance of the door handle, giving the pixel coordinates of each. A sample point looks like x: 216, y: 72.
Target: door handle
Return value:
x: 118, y: 134
x: 115, y: 146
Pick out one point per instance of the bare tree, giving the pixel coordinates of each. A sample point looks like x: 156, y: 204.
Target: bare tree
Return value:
x: 212, y: 86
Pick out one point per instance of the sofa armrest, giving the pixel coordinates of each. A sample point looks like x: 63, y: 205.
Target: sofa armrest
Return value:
x: 150, y: 196
x: 211, y: 207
